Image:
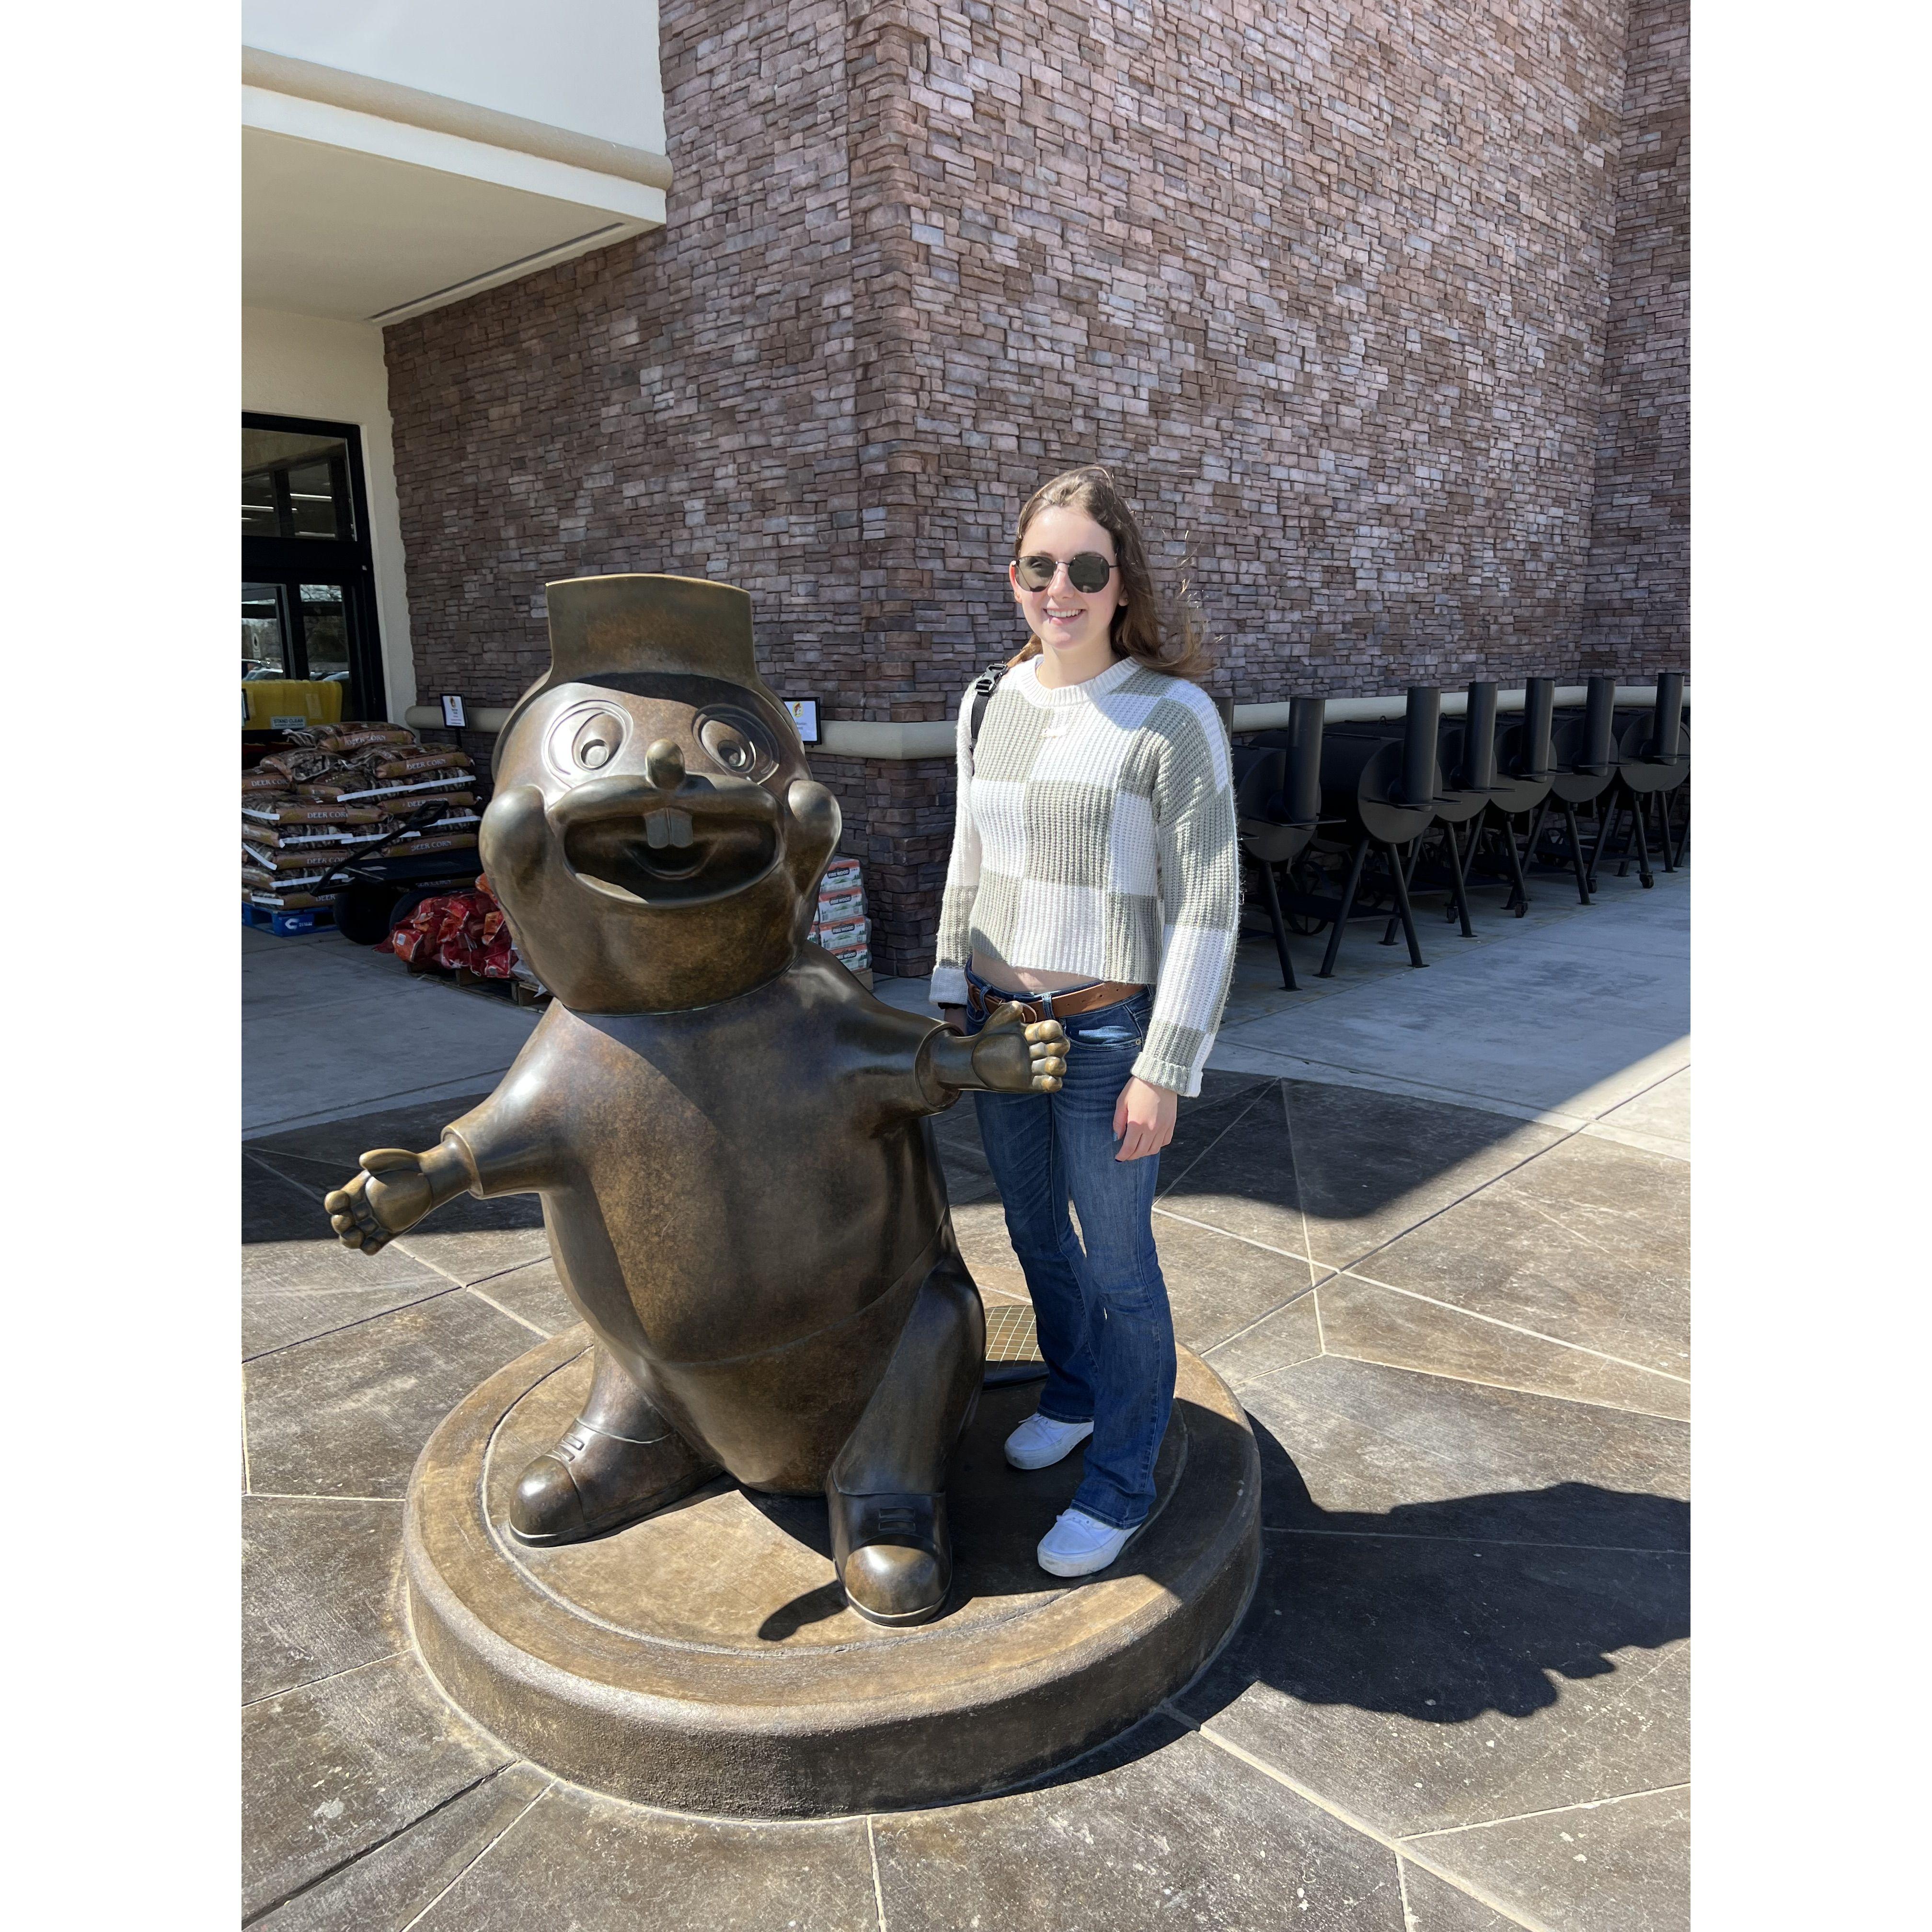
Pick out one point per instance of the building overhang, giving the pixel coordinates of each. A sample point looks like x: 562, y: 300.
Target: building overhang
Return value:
x: 364, y: 201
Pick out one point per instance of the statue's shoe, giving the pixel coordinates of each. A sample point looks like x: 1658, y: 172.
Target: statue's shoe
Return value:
x: 593, y: 1482
x: 893, y: 1554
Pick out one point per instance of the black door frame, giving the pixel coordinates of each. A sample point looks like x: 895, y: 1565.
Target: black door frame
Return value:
x: 293, y: 561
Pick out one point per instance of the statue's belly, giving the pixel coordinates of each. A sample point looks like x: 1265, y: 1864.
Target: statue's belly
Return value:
x: 711, y: 1261
x: 770, y: 1372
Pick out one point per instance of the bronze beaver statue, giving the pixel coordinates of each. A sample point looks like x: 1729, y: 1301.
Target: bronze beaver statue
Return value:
x: 728, y: 1133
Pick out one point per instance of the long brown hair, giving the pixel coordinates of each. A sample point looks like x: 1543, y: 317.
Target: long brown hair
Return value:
x: 1137, y: 631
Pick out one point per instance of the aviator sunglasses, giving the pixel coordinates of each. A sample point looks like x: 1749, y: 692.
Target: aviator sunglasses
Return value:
x: 1088, y: 572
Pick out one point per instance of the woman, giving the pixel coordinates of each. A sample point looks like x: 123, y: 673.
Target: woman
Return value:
x: 1094, y: 877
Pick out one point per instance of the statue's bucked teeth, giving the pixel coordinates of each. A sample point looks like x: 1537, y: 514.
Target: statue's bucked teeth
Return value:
x: 666, y: 827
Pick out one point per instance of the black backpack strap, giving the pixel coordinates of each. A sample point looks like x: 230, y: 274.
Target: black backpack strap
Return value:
x: 984, y: 686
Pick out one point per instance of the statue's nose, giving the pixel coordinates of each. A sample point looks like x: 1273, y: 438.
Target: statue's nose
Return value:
x: 664, y: 766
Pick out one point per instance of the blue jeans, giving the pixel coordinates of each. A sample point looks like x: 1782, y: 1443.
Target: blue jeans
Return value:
x: 1105, y: 1330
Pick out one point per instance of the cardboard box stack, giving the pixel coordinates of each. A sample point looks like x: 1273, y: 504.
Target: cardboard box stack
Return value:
x: 841, y: 926
x: 347, y: 790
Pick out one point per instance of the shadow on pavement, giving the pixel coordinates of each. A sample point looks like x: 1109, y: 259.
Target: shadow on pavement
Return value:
x: 1440, y: 1612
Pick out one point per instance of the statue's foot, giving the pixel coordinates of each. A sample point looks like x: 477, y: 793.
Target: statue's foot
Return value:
x: 593, y: 1482
x: 893, y: 1554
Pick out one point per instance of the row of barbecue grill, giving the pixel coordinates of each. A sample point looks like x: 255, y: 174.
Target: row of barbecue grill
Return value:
x: 1341, y: 822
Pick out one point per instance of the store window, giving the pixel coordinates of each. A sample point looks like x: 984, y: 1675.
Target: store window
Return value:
x: 294, y: 485
x: 309, y: 643
x: 265, y: 631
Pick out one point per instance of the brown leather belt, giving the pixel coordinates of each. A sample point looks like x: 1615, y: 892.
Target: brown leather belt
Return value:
x: 1052, y: 1006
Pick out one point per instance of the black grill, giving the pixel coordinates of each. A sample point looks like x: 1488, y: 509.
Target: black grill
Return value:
x: 1354, y: 820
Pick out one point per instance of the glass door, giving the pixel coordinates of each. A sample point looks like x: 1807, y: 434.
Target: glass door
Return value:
x: 266, y: 651
x: 308, y: 605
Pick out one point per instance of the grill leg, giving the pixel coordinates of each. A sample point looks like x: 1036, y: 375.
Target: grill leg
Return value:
x: 1347, y: 906
x: 1407, y: 917
x: 1273, y: 900
x: 1536, y: 819
x: 1454, y: 862
x: 1575, y: 835
x: 1627, y: 839
x: 1458, y: 865
x: 1519, y: 891
x: 1606, y: 818
x: 1414, y: 854
x: 1643, y: 871
x: 1683, y: 837
x: 1664, y: 831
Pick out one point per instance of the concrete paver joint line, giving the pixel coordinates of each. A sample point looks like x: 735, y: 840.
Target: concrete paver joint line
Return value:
x: 488, y: 1302
x: 1254, y: 1102
x: 1301, y: 1195
x: 484, y: 1852
x: 314, y: 1683
x: 1488, y: 1542
x: 1246, y: 1240
x: 1436, y: 1214
x: 1402, y: 1848
x: 1515, y: 1327
x: 362, y: 1322
x: 367, y: 1851
x: 1508, y: 1388
x: 878, y: 1887
x: 1269, y: 1314
x: 312, y: 1496
x: 1548, y: 1811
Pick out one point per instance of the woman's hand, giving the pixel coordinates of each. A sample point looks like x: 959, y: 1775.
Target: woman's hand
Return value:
x: 1144, y: 1118
x: 954, y: 1017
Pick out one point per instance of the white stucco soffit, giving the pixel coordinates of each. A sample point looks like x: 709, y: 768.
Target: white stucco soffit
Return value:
x: 360, y: 216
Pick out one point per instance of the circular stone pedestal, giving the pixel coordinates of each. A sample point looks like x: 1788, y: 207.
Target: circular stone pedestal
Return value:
x: 704, y: 1659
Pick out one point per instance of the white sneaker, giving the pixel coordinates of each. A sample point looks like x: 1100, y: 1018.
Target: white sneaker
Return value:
x: 1039, y: 1441
x: 1078, y: 1544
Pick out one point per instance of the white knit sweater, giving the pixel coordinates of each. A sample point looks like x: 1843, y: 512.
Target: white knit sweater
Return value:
x: 1096, y: 835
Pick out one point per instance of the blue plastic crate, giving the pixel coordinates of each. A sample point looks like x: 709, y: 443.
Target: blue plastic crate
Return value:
x: 286, y: 924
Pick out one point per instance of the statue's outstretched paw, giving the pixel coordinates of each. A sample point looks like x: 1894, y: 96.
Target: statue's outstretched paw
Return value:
x: 894, y: 1554
x: 592, y: 1483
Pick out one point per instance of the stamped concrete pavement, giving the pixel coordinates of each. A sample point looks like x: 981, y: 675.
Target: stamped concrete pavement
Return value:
x: 1431, y: 1227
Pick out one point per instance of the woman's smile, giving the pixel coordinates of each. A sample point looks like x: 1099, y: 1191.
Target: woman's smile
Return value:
x: 1076, y: 626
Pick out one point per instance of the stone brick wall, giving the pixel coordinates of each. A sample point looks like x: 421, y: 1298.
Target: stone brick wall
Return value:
x: 681, y: 403
x: 1327, y: 283
x: 1637, y: 614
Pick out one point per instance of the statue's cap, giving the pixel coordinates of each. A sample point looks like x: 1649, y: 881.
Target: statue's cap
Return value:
x: 680, y: 624
x: 610, y: 626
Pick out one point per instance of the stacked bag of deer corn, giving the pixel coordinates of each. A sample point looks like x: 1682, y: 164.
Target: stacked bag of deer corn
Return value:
x: 840, y: 925
x: 343, y: 791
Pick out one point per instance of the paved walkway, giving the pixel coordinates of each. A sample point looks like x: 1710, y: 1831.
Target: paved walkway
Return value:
x: 330, y: 1030
x: 1431, y: 1226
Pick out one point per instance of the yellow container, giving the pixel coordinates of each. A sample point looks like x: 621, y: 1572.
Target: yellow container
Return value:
x: 278, y: 702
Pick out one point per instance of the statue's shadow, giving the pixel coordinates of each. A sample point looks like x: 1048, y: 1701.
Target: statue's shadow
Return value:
x: 1440, y: 1612
x: 804, y: 1519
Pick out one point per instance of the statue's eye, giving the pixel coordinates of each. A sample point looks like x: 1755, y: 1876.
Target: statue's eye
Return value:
x: 597, y: 740
x: 735, y: 744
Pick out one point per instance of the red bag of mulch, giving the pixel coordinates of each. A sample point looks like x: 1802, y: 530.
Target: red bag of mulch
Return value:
x: 457, y: 939
x: 415, y: 938
x: 457, y: 930
x: 499, y: 949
